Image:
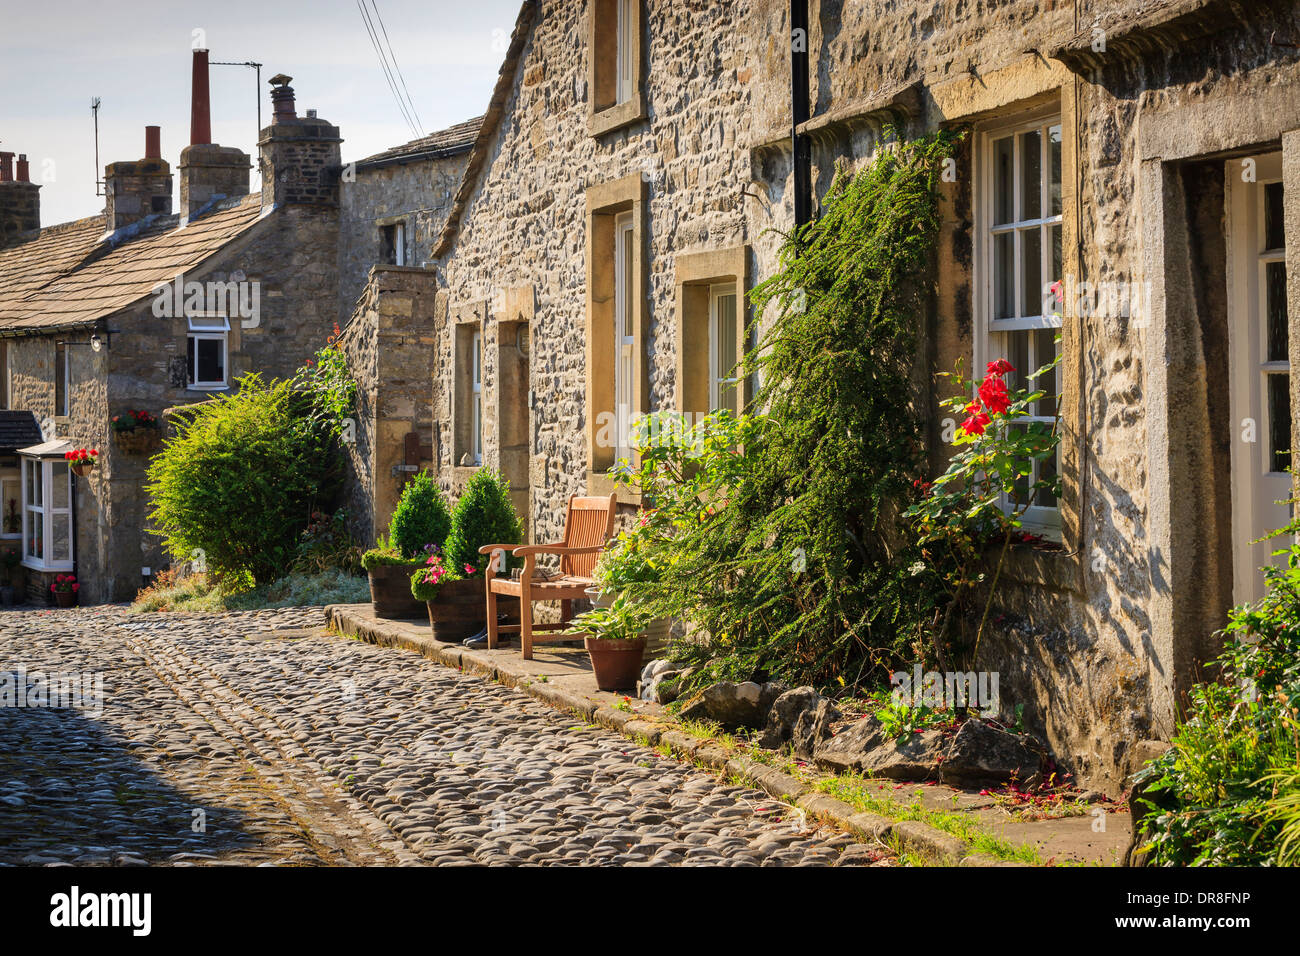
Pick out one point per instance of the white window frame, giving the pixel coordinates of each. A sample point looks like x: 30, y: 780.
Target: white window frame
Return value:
x: 207, y: 327
x: 625, y: 43
x: 46, y: 468
x: 1038, y: 518
x: 719, y: 377
x: 624, y: 331
x: 16, y: 481
x: 476, y: 397
x: 399, y: 243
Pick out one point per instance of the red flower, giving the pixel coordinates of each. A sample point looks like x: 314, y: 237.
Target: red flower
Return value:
x: 976, y: 424
x: 1000, y: 367
x: 993, y: 393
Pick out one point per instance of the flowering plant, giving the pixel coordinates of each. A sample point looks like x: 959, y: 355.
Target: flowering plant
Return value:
x: 64, y: 584
x: 82, y: 456
x: 428, y: 580
x: 1004, y: 464
x: 133, y: 419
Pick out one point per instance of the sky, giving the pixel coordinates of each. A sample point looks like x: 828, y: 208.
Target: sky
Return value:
x: 135, y: 56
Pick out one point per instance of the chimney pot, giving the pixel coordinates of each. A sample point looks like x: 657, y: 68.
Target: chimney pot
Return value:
x: 6, y: 167
x: 282, y: 99
x: 24, y: 174
x: 200, y: 105
x: 153, y: 142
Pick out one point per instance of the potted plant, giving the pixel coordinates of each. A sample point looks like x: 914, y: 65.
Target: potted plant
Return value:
x: 453, y: 581
x: 628, y: 563
x: 82, y: 460
x: 136, y: 431
x: 420, y: 519
x: 64, y: 589
x: 615, y: 641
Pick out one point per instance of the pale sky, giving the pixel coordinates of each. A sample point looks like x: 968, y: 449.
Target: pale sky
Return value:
x: 55, y: 55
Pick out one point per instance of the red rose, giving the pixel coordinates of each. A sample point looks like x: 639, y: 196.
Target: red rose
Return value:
x: 1000, y: 367
x: 976, y: 424
x: 993, y: 393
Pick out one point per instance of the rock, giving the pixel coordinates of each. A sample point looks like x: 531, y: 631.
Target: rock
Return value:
x: 983, y: 754
x: 658, y: 680
x: 845, y: 752
x: 801, y: 718
x: 734, y: 705
x: 864, y: 748
x: 1141, y: 752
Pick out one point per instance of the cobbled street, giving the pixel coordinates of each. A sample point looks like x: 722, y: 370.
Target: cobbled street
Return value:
x: 255, y: 738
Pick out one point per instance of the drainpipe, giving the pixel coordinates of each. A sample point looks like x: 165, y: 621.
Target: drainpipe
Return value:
x: 799, y: 111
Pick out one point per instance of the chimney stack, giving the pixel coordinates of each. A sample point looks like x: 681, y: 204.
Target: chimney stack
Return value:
x: 200, y: 104
x: 208, y: 171
x: 138, y: 189
x: 300, y: 156
x: 20, y: 201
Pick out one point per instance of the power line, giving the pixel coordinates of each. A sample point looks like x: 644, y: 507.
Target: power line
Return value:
x: 393, y: 57
x: 383, y: 63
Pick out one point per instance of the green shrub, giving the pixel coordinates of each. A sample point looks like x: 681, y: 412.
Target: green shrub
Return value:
x: 385, y: 553
x: 327, y: 544
x: 421, y: 517
x: 483, y: 515
x: 239, y: 482
x: 1228, y: 792
x: 197, y: 593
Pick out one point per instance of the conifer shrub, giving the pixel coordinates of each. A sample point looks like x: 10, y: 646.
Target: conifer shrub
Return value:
x: 483, y: 515
x: 421, y: 517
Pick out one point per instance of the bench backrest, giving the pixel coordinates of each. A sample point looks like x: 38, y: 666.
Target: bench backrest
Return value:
x: 589, y: 522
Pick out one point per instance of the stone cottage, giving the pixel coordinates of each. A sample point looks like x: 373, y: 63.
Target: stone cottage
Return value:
x: 640, y: 158
x: 393, y: 207
x: 146, y: 308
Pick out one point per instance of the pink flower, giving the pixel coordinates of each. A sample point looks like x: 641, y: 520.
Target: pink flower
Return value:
x: 470, y: 569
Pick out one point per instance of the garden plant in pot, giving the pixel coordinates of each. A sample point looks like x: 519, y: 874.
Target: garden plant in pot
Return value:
x: 82, y: 460
x: 615, y: 639
x: 629, y: 567
x: 64, y: 589
x: 452, y: 581
x: 420, y: 519
x: 136, y: 431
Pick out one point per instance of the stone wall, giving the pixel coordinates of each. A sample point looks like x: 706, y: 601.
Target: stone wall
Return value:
x: 417, y: 193
x: 389, y: 342
x: 523, y: 233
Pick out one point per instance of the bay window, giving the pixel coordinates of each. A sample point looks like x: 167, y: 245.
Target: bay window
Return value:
x: 47, y: 509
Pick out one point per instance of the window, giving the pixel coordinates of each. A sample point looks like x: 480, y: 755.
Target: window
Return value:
x: 11, y: 505
x: 47, y: 514
x: 614, y: 65
x: 624, y: 340
x: 476, y: 397
x: 392, y: 244
x: 62, y: 382
x: 723, y: 336
x: 205, y: 350
x: 1018, y: 258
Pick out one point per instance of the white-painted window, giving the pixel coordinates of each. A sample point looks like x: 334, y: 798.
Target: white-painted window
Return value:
x: 47, y: 514
x: 399, y: 244
x: 624, y: 325
x: 1017, y: 258
x: 627, y: 25
x: 723, y: 336
x: 476, y: 397
x: 206, y: 349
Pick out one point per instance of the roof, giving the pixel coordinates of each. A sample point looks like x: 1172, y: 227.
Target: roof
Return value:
x: 451, y: 141
x: 56, y: 448
x: 491, y: 120
x: 17, y: 430
x: 71, y: 275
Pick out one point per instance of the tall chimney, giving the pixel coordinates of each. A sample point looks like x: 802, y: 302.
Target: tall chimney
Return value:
x: 200, y: 104
x: 20, y: 202
x: 300, y: 155
x: 208, y: 172
x: 138, y: 189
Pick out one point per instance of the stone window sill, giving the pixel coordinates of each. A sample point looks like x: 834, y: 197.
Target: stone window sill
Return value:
x: 600, y: 485
x: 617, y: 116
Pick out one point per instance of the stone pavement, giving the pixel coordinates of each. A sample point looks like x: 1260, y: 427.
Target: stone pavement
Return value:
x: 256, y: 738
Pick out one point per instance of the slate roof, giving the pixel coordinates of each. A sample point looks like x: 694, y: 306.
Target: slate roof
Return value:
x: 69, y: 276
x: 18, y: 429
x: 446, y: 142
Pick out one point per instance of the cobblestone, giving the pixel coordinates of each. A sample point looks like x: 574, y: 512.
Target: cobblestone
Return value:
x: 256, y: 738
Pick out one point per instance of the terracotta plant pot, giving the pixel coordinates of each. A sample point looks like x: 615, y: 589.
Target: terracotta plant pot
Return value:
x: 65, y: 598
x: 617, y: 664
x: 656, y: 633
x: 82, y: 469
x: 390, y: 591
